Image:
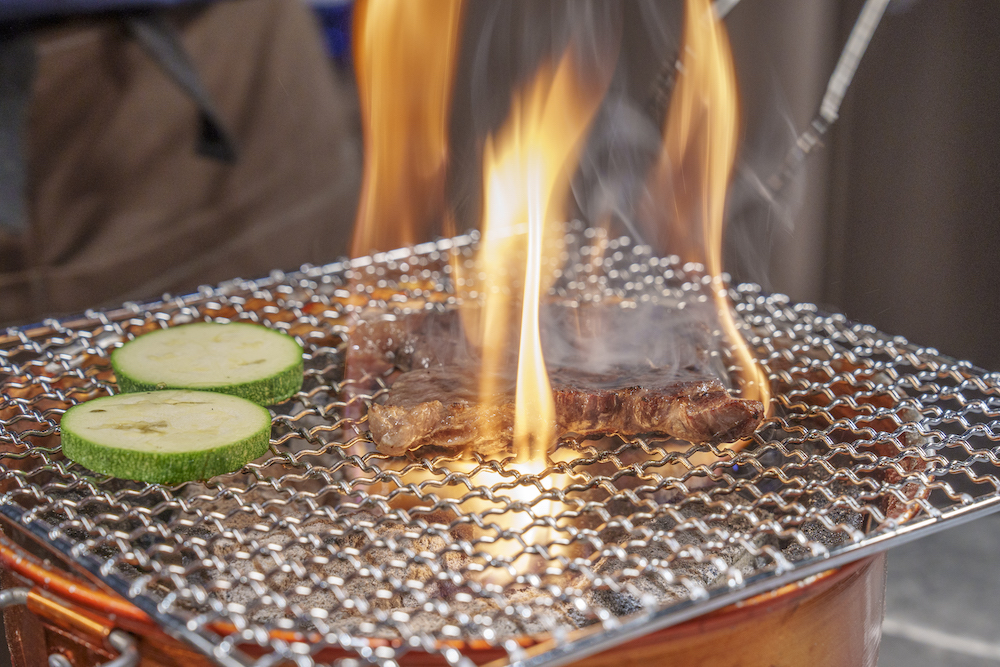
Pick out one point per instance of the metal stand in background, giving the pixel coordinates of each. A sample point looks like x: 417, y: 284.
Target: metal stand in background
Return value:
x: 836, y: 88
x: 812, y: 137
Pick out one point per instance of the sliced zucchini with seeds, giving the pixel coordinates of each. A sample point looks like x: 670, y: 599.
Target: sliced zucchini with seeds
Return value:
x: 242, y: 359
x: 166, y: 437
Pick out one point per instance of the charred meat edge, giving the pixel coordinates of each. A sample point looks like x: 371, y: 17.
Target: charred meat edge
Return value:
x: 438, y: 407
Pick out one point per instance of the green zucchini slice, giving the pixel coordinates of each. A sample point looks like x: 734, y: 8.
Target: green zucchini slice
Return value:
x: 242, y: 359
x: 166, y: 437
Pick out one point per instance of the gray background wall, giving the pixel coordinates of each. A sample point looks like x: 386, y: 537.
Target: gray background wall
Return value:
x: 899, y: 225
x: 900, y: 228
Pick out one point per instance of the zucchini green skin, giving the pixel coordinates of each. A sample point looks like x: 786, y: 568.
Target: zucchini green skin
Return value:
x: 174, y: 467
x: 269, y: 390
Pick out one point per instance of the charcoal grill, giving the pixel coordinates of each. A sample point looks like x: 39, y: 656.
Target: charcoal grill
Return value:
x: 325, y: 551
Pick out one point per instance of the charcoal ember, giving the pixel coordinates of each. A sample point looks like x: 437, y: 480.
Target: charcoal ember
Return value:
x: 440, y: 408
x: 872, y: 408
x: 367, y: 555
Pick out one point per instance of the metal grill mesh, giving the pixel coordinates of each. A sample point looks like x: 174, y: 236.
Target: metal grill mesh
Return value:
x: 326, y: 550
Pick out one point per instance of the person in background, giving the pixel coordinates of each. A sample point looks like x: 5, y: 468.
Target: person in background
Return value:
x: 154, y: 146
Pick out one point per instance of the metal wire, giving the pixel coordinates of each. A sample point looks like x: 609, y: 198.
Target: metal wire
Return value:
x: 326, y: 550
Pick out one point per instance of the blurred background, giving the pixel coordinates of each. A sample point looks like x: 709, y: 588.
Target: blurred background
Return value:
x: 898, y: 226
x: 149, y: 152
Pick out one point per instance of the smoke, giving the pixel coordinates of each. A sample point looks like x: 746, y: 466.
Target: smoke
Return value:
x: 613, y: 170
x: 515, y: 37
x: 634, y: 48
x: 757, y: 213
x: 612, y: 339
x: 611, y: 186
x: 504, y: 44
x: 901, y: 6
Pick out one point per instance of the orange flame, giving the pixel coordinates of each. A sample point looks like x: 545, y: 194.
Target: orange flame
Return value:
x: 405, y: 54
x: 697, y: 159
x: 527, y: 171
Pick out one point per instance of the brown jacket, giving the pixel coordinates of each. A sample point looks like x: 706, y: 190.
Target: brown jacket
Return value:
x: 120, y: 205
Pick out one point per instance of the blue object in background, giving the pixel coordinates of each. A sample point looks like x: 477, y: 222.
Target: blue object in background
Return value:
x: 335, y: 18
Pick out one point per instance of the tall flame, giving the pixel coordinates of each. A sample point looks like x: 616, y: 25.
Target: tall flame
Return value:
x: 697, y: 159
x: 405, y: 54
x: 527, y: 171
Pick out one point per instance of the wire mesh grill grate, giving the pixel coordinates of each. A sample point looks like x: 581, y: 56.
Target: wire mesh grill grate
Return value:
x: 327, y: 550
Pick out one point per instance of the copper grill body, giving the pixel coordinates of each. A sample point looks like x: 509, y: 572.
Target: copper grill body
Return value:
x: 326, y: 549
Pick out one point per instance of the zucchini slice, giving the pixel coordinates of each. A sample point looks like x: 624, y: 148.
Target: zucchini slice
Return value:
x: 167, y: 437
x: 242, y: 359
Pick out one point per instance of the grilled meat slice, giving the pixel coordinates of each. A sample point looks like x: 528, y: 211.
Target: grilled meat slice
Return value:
x: 439, y: 407
x: 381, y: 344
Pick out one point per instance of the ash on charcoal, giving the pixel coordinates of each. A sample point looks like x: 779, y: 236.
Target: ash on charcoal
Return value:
x: 331, y: 558
x: 370, y: 574
x: 818, y: 533
x: 353, y: 573
x: 706, y: 571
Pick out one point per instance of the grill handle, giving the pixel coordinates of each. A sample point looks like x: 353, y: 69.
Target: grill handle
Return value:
x: 70, y: 618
